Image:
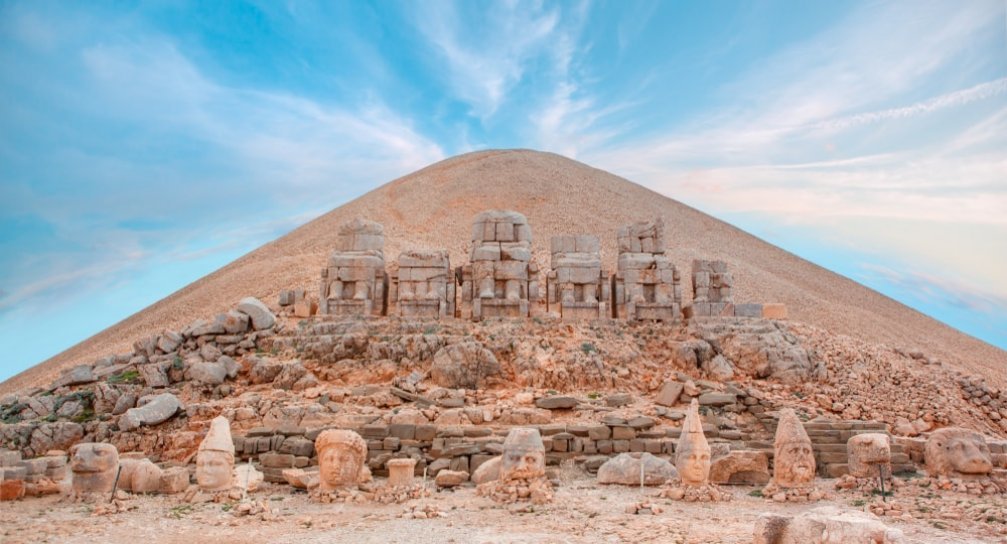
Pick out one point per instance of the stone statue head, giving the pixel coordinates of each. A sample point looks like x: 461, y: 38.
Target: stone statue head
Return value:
x: 794, y: 460
x: 957, y: 450
x: 523, y: 455
x: 864, y: 452
x: 692, y: 454
x: 215, y: 458
x: 341, y: 458
x: 94, y: 467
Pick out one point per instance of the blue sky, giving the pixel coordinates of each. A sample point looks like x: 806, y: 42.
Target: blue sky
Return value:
x: 143, y: 145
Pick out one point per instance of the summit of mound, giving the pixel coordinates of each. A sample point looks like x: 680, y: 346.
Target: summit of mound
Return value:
x: 434, y: 208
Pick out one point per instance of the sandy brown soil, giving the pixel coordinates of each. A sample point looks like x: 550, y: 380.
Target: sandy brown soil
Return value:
x: 434, y: 207
x: 582, y: 512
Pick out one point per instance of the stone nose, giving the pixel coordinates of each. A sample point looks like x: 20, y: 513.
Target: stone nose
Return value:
x: 977, y: 465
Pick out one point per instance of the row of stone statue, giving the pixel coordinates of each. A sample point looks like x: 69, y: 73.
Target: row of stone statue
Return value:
x: 342, y: 462
x: 501, y: 278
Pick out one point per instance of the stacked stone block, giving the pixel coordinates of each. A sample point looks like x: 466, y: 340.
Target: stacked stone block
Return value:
x: 712, y: 289
x: 577, y: 286
x: 354, y: 282
x: 423, y: 285
x: 297, y: 303
x: 501, y: 279
x: 646, y: 284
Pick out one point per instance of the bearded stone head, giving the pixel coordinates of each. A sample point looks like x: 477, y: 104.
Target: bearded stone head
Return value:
x: 794, y: 459
x: 523, y: 455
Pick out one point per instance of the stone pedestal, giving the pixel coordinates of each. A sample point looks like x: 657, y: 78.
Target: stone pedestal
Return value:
x: 401, y: 472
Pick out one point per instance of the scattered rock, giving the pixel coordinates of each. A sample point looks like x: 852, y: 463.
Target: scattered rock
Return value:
x: 669, y: 394
x: 157, y: 410
x: 826, y: 524
x: 618, y: 399
x: 743, y: 467
x: 259, y: 313
x: 207, y: 373
x: 557, y: 402
x: 451, y: 478
x: 624, y: 469
x: 466, y: 365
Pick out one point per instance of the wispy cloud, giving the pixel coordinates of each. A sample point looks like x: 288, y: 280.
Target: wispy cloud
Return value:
x: 487, y: 56
x: 961, y: 97
x: 938, y: 290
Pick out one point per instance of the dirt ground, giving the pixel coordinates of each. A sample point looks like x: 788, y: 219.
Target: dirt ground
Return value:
x: 583, y: 511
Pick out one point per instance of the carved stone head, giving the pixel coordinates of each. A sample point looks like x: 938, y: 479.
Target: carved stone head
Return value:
x: 215, y: 458
x: 957, y: 450
x: 94, y: 467
x: 692, y: 454
x: 341, y: 458
x: 523, y: 455
x: 794, y: 461
x: 866, y: 451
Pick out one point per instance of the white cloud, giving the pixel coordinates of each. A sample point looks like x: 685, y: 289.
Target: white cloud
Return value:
x: 961, y: 97
x: 485, y: 58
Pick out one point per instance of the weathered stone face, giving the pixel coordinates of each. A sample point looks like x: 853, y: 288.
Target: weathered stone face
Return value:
x: 214, y: 470
x: 957, y: 450
x: 523, y: 456
x: 94, y: 467
x: 794, y: 457
x: 692, y: 455
x: 865, y: 452
x: 341, y: 456
x: 215, y: 458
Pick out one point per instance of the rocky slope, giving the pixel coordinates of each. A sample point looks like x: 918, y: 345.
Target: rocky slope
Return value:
x: 434, y: 207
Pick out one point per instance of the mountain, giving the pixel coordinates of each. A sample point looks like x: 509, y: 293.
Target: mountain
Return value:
x: 434, y: 207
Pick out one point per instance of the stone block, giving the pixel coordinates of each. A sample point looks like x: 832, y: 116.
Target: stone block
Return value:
x: 297, y: 446
x: 748, y: 310
x: 426, y: 433
x: 174, y: 480
x: 276, y: 460
x: 599, y: 432
x: 774, y: 311
x: 623, y: 433
x: 717, y: 399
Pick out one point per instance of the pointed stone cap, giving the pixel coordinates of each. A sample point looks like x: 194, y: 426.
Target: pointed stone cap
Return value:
x: 692, y: 424
x: 692, y: 437
x: 218, y: 438
x: 790, y: 429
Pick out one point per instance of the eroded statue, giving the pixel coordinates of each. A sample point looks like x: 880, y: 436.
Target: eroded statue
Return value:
x: 794, y: 459
x: 692, y: 455
x: 94, y: 467
x: 342, y: 457
x: 215, y: 458
x: 954, y: 450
